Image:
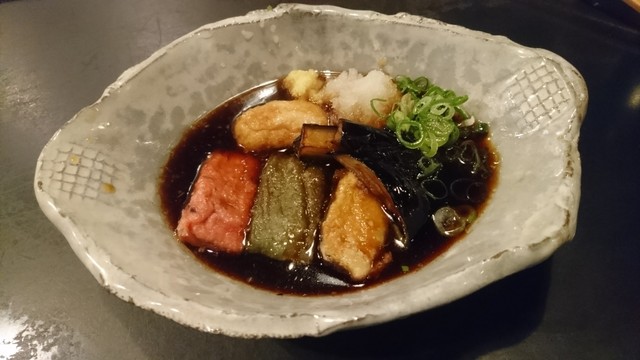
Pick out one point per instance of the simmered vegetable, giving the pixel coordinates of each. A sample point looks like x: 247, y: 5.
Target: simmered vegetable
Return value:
x: 355, y: 229
x: 287, y: 210
x: 317, y: 141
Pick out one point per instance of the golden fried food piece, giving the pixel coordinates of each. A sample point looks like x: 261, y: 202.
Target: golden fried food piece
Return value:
x: 354, y: 230
x: 276, y: 124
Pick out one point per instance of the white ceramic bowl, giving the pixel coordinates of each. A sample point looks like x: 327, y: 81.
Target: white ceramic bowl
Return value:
x: 96, y: 179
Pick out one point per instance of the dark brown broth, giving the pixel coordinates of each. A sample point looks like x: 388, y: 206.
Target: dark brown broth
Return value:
x: 212, y: 132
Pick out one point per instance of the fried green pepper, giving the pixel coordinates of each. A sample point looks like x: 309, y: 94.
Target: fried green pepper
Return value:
x: 287, y: 209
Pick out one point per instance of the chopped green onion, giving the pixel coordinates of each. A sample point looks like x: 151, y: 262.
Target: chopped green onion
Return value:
x: 410, y: 133
x: 442, y: 109
x: 421, y: 83
x: 424, y: 117
x: 451, y: 221
x: 416, y: 86
x: 469, y: 154
x: 406, y: 103
x: 462, y: 112
x: 428, y: 166
x: 459, y: 100
x: 430, y: 148
x: 448, y: 222
x: 435, y: 188
x: 422, y: 104
x: 373, y: 106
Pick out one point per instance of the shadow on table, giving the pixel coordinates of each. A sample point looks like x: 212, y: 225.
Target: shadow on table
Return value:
x: 495, y: 317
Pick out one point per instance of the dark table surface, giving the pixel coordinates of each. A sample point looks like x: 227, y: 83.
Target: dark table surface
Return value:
x: 57, y: 56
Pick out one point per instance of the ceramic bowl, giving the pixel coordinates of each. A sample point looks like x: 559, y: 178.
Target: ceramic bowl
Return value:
x: 96, y: 179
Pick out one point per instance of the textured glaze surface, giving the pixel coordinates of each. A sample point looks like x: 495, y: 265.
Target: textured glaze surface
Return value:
x: 96, y: 178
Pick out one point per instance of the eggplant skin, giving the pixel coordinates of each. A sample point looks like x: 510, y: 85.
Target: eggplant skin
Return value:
x: 395, y: 166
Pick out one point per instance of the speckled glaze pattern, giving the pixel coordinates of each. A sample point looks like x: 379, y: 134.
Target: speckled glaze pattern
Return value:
x: 96, y: 179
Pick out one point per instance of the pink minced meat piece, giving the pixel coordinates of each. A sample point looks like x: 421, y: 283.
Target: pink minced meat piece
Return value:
x: 219, y: 207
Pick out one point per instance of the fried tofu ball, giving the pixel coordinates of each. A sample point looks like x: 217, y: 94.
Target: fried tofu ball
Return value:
x: 276, y: 124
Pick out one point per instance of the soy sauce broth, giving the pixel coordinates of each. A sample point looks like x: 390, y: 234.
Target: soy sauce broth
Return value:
x: 213, y: 132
